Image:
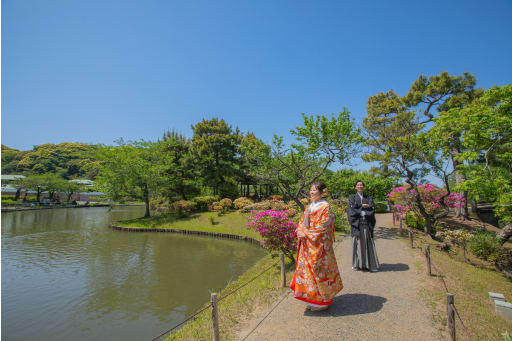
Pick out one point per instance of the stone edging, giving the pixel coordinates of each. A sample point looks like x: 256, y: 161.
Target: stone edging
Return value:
x: 201, y: 233
x: 48, y: 208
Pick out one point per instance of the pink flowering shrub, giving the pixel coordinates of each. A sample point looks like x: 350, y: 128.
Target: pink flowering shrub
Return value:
x: 404, y: 199
x: 277, y: 230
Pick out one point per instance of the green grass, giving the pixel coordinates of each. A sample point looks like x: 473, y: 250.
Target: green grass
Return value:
x: 231, y: 223
x: 470, y: 282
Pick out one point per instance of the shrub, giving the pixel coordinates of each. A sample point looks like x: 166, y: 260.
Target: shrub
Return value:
x: 183, y: 207
x: 458, y: 237
x: 485, y: 245
x: 242, y: 202
x: 275, y: 197
x: 414, y: 221
x: 277, y: 230
x: 157, y: 203
x: 381, y: 207
x: 266, y: 205
x: 226, y: 203
x: 211, y: 217
x: 204, y: 202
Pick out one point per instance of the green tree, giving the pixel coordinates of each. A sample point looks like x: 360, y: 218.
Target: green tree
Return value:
x: 215, y: 147
x: 440, y: 93
x: 130, y: 170
x: 341, y: 183
x: 69, y: 160
x: 320, y: 142
x: 396, y: 128
x: 35, y: 183
x: 485, y: 128
x: 178, y: 166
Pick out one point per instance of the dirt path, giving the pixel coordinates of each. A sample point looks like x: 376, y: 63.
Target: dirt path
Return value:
x: 372, y: 306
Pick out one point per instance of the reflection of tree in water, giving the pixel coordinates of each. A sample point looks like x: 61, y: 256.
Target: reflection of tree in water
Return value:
x: 161, y: 272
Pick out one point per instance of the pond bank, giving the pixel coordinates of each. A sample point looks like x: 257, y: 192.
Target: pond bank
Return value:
x: 264, y: 276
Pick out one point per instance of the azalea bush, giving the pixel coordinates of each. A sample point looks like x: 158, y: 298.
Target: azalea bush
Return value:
x: 242, y: 202
x: 183, y: 208
x: 277, y: 229
x: 458, y: 237
x: 432, y: 197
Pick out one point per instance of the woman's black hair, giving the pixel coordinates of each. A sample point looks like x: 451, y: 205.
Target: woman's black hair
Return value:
x: 320, y: 187
x: 359, y: 181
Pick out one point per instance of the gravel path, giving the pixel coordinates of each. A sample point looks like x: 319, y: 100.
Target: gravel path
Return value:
x: 372, y: 306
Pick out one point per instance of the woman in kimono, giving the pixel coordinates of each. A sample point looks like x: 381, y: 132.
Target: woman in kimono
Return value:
x: 361, y: 215
x: 316, y: 279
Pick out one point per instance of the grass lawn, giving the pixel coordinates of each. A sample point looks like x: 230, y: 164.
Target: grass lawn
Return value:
x: 231, y: 223
x: 470, y: 281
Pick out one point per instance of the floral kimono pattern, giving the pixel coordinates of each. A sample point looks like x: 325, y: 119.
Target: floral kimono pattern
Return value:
x: 316, y: 279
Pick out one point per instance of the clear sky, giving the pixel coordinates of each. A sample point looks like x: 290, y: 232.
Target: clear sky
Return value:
x: 93, y: 71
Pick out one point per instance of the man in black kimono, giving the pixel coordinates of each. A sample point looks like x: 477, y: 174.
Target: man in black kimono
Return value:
x: 361, y: 215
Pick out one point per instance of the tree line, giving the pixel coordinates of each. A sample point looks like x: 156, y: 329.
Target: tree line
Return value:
x: 442, y: 127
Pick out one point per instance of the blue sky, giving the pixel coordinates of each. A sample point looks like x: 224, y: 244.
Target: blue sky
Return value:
x: 93, y: 71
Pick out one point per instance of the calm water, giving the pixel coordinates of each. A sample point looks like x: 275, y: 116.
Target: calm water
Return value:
x: 67, y: 276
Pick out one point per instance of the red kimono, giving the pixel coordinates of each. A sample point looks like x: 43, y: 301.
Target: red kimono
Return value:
x: 316, y: 279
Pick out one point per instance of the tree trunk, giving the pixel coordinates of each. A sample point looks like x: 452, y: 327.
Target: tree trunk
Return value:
x: 505, y: 233
x: 146, y: 199
x: 460, y: 177
x: 17, y: 195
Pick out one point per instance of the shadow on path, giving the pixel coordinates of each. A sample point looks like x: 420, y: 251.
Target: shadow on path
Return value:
x: 393, y: 267
x: 351, y: 304
x: 385, y: 233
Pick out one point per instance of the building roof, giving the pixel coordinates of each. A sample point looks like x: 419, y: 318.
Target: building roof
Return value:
x: 83, y: 182
x: 12, y: 176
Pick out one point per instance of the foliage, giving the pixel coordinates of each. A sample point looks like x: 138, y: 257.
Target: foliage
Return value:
x: 183, y: 208
x: 339, y: 207
x: 485, y: 128
x: 275, y: 197
x: 381, y: 207
x: 223, y: 205
x: 242, y: 202
x: 179, y: 175
x: 203, y: 202
x: 158, y: 202
x: 215, y: 148
x: 266, y: 205
x: 67, y: 159
x: 433, y: 199
x: 277, y: 230
x: 396, y: 132
x: 458, y: 237
x: 130, y: 170
x: 414, y: 220
x: 485, y: 245
x: 342, y: 183
x: 211, y: 218
x: 320, y: 142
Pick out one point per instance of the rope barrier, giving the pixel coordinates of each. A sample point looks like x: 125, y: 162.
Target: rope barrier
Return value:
x: 209, y: 305
x: 441, y: 276
x: 461, y: 322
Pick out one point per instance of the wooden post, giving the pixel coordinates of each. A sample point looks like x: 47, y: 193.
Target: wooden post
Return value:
x: 427, y: 256
x: 451, y: 315
x: 410, y: 237
x: 283, y: 273
x: 215, y: 317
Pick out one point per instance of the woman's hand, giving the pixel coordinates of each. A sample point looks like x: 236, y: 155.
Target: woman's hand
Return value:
x: 300, y: 234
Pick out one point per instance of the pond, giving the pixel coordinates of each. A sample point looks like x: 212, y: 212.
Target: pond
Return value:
x: 67, y: 276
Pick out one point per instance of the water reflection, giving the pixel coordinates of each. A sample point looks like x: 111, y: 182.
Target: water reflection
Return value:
x: 65, y: 275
